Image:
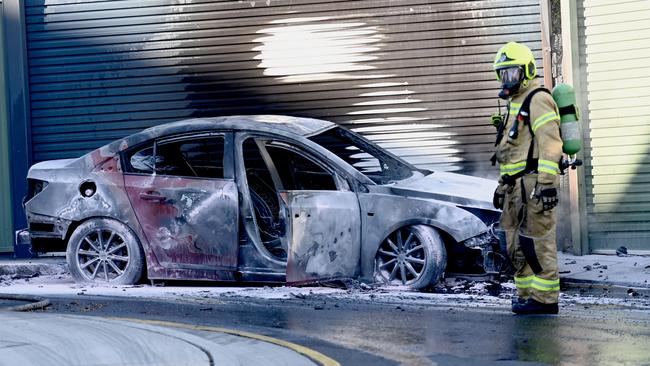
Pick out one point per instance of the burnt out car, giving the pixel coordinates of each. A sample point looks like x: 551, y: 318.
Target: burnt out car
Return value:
x: 258, y: 198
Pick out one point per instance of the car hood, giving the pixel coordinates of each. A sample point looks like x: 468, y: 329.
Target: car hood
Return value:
x: 460, y: 189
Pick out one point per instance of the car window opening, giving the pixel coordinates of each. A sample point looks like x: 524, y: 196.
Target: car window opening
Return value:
x: 378, y: 165
x: 200, y: 158
x: 195, y: 158
x: 142, y: 161
x: 298, y: 172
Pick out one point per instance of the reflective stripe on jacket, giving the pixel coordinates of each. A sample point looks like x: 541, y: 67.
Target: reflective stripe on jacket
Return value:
x: 545, y: 123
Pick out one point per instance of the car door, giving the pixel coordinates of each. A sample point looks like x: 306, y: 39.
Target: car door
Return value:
x: 324, y: 217
x: 185, y: 198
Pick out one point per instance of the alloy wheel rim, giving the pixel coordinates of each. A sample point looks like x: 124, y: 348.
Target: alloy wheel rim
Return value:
x: 401, y: 258
x: 103, y: 255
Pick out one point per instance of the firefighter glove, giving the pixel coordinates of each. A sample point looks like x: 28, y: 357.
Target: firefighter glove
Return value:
x: 548, y: 195
x: 499, y: 197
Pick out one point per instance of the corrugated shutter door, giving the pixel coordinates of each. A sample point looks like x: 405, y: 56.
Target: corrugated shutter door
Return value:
x: 615, y: 51
x: 413, y: 75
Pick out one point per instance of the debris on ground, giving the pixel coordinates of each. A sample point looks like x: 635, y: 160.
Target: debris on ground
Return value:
x: 621, y: 251
x: 454, y: 285
x: 352, y: 284
x: 7, y: 279
x: 451, y: 291
x: 595, y: 266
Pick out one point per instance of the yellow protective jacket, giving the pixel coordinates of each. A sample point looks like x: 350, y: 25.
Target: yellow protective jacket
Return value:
x: 545, y: 122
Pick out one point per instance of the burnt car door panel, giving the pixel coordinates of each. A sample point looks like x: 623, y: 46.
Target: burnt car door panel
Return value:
x: 325, y: 232
x: 324, y: 225
x: 186, y: 201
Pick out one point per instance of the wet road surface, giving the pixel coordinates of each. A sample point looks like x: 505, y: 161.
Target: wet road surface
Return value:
x: 30, y: 339
x: 361, y: 333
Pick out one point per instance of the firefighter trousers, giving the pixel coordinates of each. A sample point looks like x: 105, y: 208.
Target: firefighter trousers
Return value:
x: 530, y: 235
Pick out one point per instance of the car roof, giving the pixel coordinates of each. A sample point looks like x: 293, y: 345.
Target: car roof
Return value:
x: 265, y: 123
x: 288, y: 126
x: 297, y: 125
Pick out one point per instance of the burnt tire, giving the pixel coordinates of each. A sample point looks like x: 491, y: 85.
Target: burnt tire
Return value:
x: 412, y: 256
x: 103, y: 250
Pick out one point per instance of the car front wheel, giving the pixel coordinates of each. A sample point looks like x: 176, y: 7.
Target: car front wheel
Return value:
x: 105, y: 251
x: 412, y: 256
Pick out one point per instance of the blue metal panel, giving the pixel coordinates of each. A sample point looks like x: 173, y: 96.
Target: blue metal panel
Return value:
x: 18, y: 92
x: 6, y: 224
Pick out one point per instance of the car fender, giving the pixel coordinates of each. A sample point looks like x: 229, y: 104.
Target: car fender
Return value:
x: 381, y: 214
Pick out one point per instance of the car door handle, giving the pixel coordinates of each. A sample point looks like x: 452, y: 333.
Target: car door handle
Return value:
x: 152, y: 196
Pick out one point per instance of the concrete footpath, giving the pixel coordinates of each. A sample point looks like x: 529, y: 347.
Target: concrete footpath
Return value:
x: 33, y: 339
x: 631, y: 271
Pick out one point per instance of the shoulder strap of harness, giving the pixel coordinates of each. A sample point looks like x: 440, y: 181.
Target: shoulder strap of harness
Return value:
x: 524, y: 114
x: 524, y: 111
x: 531, y: 164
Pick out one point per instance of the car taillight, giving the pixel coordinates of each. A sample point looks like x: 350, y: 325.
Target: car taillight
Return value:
x: 35, y: 186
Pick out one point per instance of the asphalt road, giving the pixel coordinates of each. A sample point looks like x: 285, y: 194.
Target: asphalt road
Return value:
x: 363, y: 333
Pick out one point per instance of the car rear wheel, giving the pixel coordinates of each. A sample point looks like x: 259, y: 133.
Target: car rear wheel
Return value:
x: 105, y: 251
x: 412, y: 256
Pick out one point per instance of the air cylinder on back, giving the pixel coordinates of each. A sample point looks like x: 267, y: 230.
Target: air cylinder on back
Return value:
x: 565, y: 99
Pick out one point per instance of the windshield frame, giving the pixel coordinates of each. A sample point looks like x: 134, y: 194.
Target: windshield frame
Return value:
x: 392, y: 167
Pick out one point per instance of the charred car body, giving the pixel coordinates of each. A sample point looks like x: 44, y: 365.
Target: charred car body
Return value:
x: 258, y: 198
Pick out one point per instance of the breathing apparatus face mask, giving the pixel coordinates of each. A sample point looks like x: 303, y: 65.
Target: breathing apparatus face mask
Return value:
x: 511, y: 78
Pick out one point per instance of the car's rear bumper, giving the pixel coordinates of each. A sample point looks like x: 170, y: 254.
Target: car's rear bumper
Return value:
x: 44, y: 234
x: 48, y: 227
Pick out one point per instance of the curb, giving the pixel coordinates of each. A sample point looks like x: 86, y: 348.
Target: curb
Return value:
x: 9, y: 268
x: 36, y: 302
x: 616, y: 289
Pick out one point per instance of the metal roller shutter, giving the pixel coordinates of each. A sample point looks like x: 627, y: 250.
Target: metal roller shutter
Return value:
x: 613, y: 55
x: 413, y: 75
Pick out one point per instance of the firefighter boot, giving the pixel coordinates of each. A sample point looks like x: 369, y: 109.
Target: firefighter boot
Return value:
x: 532, y: 306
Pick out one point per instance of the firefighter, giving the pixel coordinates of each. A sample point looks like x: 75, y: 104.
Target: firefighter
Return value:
x: 529, y: 148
